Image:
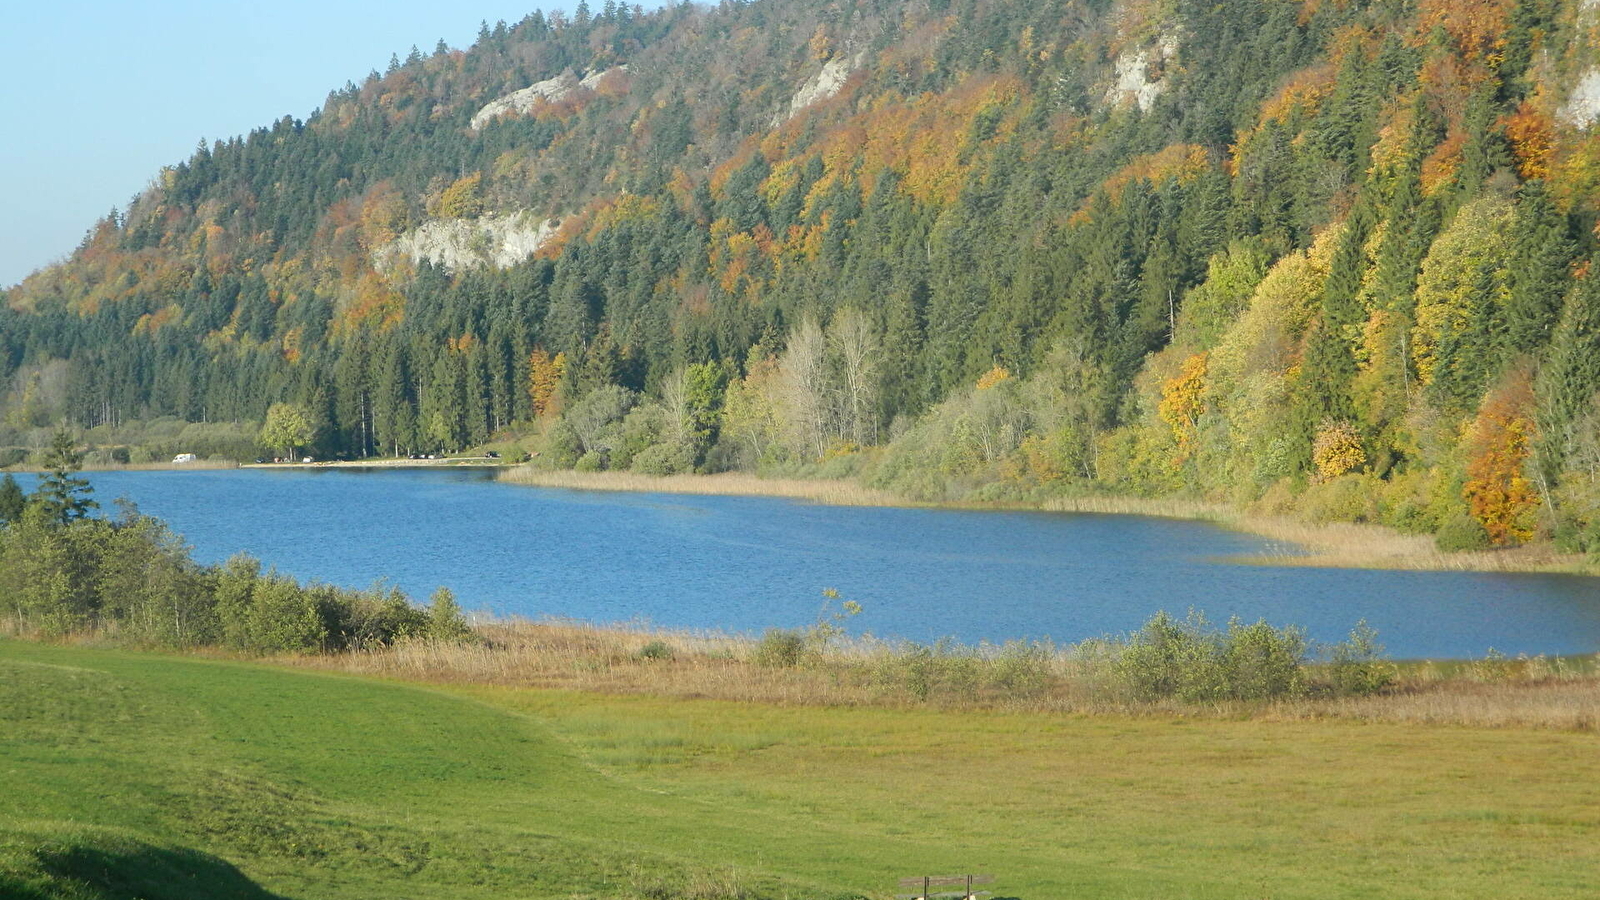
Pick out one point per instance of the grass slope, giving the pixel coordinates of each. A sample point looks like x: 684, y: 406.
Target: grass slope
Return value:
x: 330, y: 786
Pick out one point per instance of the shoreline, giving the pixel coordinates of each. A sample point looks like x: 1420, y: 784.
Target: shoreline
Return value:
x: 1340, y: 545
x: 474, y: 462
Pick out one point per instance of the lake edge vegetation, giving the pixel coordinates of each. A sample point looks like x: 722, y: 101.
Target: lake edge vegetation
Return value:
x: 127, y: 580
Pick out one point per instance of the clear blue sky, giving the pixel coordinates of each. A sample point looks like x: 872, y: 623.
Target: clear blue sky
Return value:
x: 98, y: 96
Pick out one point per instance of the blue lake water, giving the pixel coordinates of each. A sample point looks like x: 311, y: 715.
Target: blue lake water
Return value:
x: 745, y: 564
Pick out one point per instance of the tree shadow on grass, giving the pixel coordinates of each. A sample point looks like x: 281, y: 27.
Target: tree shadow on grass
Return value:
x: 129, y: 870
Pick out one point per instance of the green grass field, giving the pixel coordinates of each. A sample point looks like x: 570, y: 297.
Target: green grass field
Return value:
x: 135, y: 775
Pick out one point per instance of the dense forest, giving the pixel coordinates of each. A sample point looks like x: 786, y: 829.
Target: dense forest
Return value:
x: 1329, y: 256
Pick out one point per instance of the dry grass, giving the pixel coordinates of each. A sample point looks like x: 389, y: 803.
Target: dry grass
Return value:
x: 1524, y: 693
x: 833, y: 492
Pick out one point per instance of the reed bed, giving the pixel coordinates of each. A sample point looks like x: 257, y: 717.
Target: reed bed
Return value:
x: 830, y: 491
x: 1079, y: 679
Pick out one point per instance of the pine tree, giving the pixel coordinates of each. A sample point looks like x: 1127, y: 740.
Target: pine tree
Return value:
x: 63, y: 497
x: 1541, y: 262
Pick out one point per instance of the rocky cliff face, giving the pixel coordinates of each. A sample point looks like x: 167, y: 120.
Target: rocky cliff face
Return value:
x: 826, y: 83
x: 551, y: 90
x: 495, y: 240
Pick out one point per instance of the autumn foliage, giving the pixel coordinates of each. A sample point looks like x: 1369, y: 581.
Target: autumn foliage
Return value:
x: 1337, y: 450
x: 1498, y: 491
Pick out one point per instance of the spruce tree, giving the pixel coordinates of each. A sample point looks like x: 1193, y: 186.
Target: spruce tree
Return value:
x: 1541, y: 261
x: 62, y: 496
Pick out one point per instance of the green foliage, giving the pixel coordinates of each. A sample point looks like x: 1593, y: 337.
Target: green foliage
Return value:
x: 657, y: 650
x: 287, y: 428
x: 61, y: 497
x: 1356, y: 665
x: 1462, y: 532
x: 1190, y: 660
x: 445, y: 619
x: 132, y: 576
x: 12, y: 500
x: 780, y: 648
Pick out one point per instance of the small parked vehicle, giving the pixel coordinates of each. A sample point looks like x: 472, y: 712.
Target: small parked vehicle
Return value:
x: 182, y: 458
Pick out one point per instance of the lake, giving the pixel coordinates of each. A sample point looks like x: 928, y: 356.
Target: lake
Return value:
x: 744, y: 564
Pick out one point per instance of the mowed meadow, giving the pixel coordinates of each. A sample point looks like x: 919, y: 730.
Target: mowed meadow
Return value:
x: 140, y: 774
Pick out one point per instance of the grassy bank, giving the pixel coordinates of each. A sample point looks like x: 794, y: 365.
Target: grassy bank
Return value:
x: 1561, y: 694
x: 1336, y: 544
x: 303, y: 784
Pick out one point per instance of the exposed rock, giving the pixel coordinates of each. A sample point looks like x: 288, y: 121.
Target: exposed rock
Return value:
x: 551, y: 90
x: 826, y: 83
x: 593, y: 79
x: 1583, y: 103
x: 456, y: 244
x: 1136, y: 82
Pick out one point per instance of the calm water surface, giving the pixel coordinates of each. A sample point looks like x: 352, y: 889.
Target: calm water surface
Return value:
x: 749, y: 563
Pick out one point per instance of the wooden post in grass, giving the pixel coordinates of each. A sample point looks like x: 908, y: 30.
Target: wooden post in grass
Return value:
x: 929, y: 882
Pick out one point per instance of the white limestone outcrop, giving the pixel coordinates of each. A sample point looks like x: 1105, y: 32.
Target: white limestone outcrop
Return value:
x: 1134, y: 83
x: 550, y: 90
x: 494, y: 240
x: 827, y: 82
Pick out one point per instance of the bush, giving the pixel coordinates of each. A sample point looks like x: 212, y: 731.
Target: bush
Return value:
x: 1357, y: 666
x: 592, y: 461
x: 657, y: 650
x: 665, y: 459
x: 781, y: 648
x: 445, y: 621
x: 1462, y: 532
x: 1190, y: 660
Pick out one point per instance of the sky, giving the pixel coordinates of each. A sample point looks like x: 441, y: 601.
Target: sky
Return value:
x: 98, y: 96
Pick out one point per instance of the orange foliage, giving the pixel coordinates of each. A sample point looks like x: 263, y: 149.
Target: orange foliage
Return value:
x: 1477, y: 27
x: 150, y: 323
x: 1532, y: 134
x: 383, y: 215
x: 1498, y: 490
x: 375, y: 303
x: 1181, y: 162
x: 915, y: 136
x: 570, y: 227
x: 291, y: 344
x: 619, y: 210
x: 1182, y: 400
x: 1302, y: 93
x: 993, y: 377
x: 1442, y: 165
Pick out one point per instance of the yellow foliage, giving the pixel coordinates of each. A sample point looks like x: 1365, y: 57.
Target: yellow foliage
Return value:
x: 1497, y: 489
x: 1182, y: 400
x: 993, y: 377
x: 462, y: 199
x: 1337, y: 450
x: 544, y: 380
x: 1469, y: 255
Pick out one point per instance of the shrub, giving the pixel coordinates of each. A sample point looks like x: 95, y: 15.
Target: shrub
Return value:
x: 1190, y: 660
x: 1462, y: 532
x: 781, y: 648
x: 283, y: 618
x: 1357, y: 666
x: 657, y: 650
x: 671, y: 458
x: 445, y: 621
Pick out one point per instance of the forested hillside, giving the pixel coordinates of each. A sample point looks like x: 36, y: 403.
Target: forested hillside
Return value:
x: 1325, y: 255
